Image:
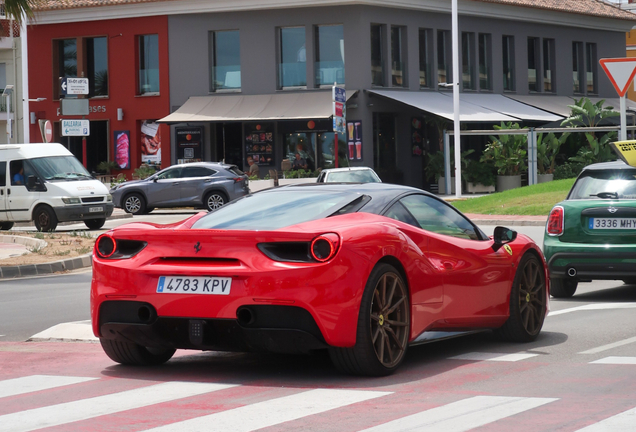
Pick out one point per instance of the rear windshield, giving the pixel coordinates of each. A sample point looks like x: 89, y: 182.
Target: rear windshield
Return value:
x: 234, y: 170
x: 363, y: 176
x: 606, y: 184
x: 275, y: 209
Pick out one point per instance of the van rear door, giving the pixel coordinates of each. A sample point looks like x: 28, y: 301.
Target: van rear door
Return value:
x: 4, y: 214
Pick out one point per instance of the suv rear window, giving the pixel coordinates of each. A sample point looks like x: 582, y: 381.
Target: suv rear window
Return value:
x: 591, y: 184
x: 234, y: 170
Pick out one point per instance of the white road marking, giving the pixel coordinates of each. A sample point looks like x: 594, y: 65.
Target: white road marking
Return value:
x: 616, y: 361
x: 463, y: 415
x: 33, y: 383
x: 272, y: 412
x: 482, y: 356
x: 594, y: 306
x: 609, y: 346
x: 623, y: 422
x: 83, y: 409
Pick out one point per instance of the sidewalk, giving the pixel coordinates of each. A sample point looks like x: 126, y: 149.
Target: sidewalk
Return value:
x: 507, y: 220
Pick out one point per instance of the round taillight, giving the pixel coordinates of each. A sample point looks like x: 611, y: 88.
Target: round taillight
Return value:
x: 324, y: 247
x: 555, y: 221
x: 105, y: 246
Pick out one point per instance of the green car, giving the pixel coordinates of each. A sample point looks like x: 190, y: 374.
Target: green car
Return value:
x: 592, y: 234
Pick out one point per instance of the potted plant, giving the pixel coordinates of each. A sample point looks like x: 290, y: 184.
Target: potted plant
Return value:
x: 480, y: 177
x: 106, y: 167
x: 435, y: 168
x: 508, y: 154
x: 547, y: 150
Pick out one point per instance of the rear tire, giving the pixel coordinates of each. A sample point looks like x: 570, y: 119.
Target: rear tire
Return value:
x: 45, y: 219
x: 6, y: 226
x: 563, y: 288
x: 134, y: 204
x: 214, y: 200
x: 528, y: 300
x: 95, y: 224
x: 128, y: 353
x: 384, y: 324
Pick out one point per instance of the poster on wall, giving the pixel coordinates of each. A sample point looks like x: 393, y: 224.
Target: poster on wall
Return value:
x: 122, y: 149
x: 189, y: 141
x: 259, y: 144
x: 150, y: 142
x: 354, y: 140
x: 417, y: 136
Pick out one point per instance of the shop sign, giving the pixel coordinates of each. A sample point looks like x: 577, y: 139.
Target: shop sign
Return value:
x: 122, y: 149
x: 354, y: 139
x: 189, y: 141
x: 75, y: 128
x: 339, y: 96
x: 150, y: 142
x: 74, y: 86
x: 259, y: 144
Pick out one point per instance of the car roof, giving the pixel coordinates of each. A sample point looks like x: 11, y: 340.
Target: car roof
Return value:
x: 615, y: 165
x: 204, y: 164
x: 381, y: 193
x: 356, y: 168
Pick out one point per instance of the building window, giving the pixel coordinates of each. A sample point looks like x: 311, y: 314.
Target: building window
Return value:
x: 377, y: 55
x: 590, y: 68
x: 485, y: 60
x: 468, y: 61
x: 398, y: 55
x: 533, y: 64
x: 549, y: 61
x: 148, y: 64
x: 225, y: 60
x: 292, y: 70
x: 444, y: 66
x: 329, y: 55
x: 577, y: 70
x: 97, y: 66
x: 508, y: 50
x: 425, y: 60
x: 3, y: 75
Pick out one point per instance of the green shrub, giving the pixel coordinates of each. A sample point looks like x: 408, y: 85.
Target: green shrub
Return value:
x: 568, y: 170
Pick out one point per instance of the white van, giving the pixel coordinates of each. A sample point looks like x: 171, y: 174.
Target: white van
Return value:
x: 46, y: 184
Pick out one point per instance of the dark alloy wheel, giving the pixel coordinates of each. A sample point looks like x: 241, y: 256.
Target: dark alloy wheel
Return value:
x: 384, y: 325
x: 45, y: 219
x: 214, y: 200
x: 528, y: 299
x: 6, y: 226
x: 95, y: 223
x: 563, y: 288
x: 134, y: 204
x: 129, y: 353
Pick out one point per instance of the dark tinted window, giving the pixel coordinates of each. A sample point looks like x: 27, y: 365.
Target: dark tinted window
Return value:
x: 398, y: 212
x: 274, y: 210
x: 438, y: 217
x: 197, y: 172
x: 170, y: 173
x: 234, y: 170
x: 591, y: 183
x: 3, y: 173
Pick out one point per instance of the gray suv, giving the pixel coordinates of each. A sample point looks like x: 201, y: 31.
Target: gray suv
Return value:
x: 205, y: 185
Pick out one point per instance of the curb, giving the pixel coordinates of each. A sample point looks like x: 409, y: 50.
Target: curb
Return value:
x: 13, y: 272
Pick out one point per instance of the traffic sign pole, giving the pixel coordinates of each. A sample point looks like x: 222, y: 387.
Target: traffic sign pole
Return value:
x: 335, y: 136
x: 84, y: 152
x: 623, y: 119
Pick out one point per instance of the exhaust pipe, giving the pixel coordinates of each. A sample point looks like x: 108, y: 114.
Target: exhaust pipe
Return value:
x: 245, y: 316
x: 571, y: 272
x: 145, y: 314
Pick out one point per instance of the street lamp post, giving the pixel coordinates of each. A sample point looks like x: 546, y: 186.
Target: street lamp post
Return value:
x: 456, y: 81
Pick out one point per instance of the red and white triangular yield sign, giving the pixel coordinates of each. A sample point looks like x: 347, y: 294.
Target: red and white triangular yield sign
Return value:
x: 621, y: 72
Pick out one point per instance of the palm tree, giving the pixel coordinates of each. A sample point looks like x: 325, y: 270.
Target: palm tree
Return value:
x: 18, y: 9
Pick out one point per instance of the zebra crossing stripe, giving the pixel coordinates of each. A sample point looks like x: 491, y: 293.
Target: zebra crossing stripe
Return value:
x: 623, y: 422
x: 482, y: 356
x: 272, y: 412
x: 463, y: 415
x: 84, y: 409
x: 616, y: 360
x: 33, y: 383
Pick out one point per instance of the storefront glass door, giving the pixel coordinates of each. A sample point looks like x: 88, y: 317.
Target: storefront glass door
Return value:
x: 304, y: 145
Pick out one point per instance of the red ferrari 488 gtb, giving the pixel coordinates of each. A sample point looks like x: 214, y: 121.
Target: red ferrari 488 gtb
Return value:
x: 363, y: 270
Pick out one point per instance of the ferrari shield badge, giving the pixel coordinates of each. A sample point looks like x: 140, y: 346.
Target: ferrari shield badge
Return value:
x: 508, y: 249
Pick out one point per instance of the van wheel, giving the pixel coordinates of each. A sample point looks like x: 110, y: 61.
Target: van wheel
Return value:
x: 134, y: 204
x: 6, y: 226
x: 45, y: 219
x: 95, y: 223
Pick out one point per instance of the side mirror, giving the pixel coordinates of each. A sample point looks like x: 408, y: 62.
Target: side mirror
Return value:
x: 501, y: 236
x: 30, y: 182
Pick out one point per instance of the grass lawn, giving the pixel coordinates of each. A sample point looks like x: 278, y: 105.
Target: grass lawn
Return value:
x: 529, y: 200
